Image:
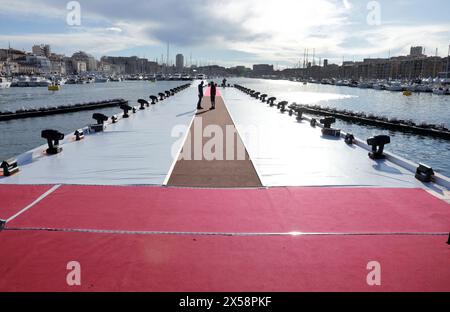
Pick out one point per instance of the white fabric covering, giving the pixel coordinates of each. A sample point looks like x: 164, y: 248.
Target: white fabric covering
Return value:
x: 290, y: 153
x: 134, y: 151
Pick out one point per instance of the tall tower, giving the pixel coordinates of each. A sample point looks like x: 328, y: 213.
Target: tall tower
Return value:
x: 180, y: 62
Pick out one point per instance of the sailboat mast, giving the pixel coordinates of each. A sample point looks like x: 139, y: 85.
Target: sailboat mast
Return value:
x: 167, y: 58
x: 435, y: 61
x: 314, y: 57
x: 448, y: 61
x: 8, y: 66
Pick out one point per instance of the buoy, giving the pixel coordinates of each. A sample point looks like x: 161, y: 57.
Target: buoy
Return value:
x: 54, y: 88
x: 407, y: 93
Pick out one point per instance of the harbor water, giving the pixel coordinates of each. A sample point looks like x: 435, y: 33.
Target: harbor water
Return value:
x: 18, y: 136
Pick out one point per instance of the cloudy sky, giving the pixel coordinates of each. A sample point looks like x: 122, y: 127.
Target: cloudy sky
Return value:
x: 230, y: 32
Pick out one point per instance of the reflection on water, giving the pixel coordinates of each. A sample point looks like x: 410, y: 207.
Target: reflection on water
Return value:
x: 21, y: 135
x: 418, y: 107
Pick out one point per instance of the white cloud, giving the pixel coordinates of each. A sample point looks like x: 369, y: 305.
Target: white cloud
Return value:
x: 115, y: 29
x: 400, y: 38
x: 286, y: 27
x: 98, y: 41
x: 270, y: 30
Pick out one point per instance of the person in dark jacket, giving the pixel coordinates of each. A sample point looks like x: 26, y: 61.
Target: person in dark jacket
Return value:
x: 213, y: 95
x: 200, y: 95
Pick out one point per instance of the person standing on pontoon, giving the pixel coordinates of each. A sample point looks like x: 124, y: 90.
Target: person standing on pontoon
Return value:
x: 213, y: 95
x: 224, y: 83
x: 200, y: 95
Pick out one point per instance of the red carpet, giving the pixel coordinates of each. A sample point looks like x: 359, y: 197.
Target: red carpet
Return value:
x: 185, y: 263
x: 36, y: 260
x: 239, y: 210
x: 14, y: 198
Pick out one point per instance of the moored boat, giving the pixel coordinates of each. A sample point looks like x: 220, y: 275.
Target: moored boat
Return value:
x: 441, y: 90
x: 394, y: 86
x: 379, y: 86
x: 424, y: 88
x: 39, y: 82
x: 99, y: 79
x: 21, y: 81
x: 365, y: 85
x: 4, y: 83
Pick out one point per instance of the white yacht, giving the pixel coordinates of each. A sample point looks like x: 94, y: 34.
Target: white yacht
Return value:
x: 61, y: 81
x: 201, y: 77
x: 394, y: 86
x: 116, y: 79
x: 379, y: 85
x: 364, y: 85
x: 4, y: 83
x: 185, y: 77
x: 101, y: 79
x: 39, y: 82
x: 441, y: 90
x: 21, y: 81
x: 413, y: 87
x: 424, y: 88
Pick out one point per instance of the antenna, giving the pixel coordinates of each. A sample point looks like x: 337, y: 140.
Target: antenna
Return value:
x: 314, y: 57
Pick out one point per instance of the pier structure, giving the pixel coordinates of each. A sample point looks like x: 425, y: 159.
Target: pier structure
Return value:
x: 302, y: 211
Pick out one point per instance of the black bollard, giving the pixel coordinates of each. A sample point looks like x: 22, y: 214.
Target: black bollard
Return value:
x: 53, y: 137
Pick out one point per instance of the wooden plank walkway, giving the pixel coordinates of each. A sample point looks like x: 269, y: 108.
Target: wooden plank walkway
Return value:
x: 231, y: 167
